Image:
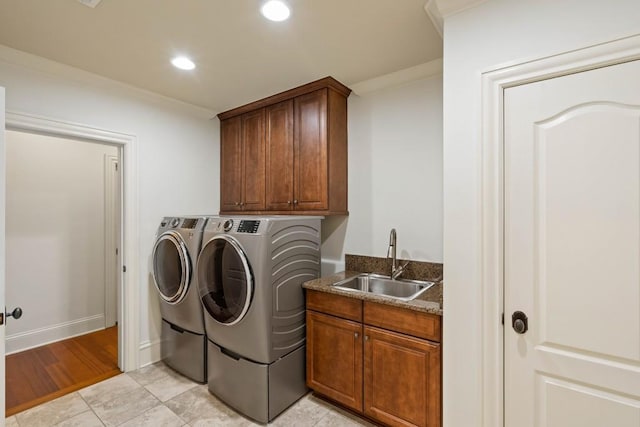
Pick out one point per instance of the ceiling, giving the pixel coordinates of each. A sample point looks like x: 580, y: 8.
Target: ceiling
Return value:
x: 240, y: 56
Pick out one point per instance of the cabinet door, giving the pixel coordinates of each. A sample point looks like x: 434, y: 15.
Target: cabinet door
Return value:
x: 402, y: 379
x: 253, y: 155
x: 334, y: 358
x: 280, y: 156
x: 310, y: 151
x: 231, y: 164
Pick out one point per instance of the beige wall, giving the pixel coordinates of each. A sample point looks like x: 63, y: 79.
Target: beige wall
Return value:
x: 395, y: 175
x: 55, y: 237
x: 177, y: 149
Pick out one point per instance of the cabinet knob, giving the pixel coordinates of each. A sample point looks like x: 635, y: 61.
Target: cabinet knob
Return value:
x: 288, y: 202
x: 237, y: 203
x: 295, y: 202
x: 356, y: 335
x: 366, y: 337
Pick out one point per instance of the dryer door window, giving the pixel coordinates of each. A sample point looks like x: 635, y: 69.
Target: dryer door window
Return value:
x: 171, y: 267
x: 225, y: 280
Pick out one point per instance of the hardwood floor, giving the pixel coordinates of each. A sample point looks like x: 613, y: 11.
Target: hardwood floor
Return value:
x: 44, y: 373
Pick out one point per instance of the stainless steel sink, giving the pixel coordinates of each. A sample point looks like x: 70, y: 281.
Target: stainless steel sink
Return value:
x: 402, y: 289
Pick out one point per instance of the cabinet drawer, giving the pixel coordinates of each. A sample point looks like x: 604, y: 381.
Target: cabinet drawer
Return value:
x: 337, y: 305
x: 418, y: 324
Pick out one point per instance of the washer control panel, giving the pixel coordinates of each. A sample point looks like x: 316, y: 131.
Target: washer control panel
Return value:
x: 247, y: 226
x: 228, y: 225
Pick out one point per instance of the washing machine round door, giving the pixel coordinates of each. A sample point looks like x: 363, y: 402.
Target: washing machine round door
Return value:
x: 225, y: 280
x: 171, y: 267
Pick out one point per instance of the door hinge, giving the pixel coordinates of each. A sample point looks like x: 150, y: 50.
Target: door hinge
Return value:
x: 116, y: 251
x: 116, y: 166
x: 502, y: 318
x: 1, y: 319
x: 124, y: 268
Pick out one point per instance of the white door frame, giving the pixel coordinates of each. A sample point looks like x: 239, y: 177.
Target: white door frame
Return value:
x: 128, y: 335
x: 112, y: 191
x: 494, y: 82
x: 2, y: 252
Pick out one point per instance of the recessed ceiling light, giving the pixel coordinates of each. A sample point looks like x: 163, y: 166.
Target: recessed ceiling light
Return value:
x: 183, y: 63
x: 275, y: 10
x: 90, y: 3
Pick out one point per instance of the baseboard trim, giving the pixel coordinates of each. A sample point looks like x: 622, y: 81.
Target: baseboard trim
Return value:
x: 149, y: 352
x: 37, y: 337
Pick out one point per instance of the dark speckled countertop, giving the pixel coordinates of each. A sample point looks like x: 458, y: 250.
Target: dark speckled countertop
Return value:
x: 428, y: 302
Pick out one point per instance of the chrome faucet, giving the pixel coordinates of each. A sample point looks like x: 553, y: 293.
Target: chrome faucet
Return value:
x: 396, y: 271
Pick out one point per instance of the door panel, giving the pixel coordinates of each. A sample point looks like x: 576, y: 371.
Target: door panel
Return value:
x: 587, y: 203
x: 572, y: 249
x: 311, y: 151
x: 253, y: 184
x: 230, y: 164
x: 569, y: 403
x: 402, y: 379
x: 280, y: 156
x: 334, y: 358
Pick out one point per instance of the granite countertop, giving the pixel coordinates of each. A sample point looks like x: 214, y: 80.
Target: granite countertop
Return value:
x: 428, y: 302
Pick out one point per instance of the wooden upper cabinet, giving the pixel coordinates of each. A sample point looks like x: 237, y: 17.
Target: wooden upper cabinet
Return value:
x: 280, y: 156
x: 310, y: 164
x: 253, y: 155
x: 231, y: 164
x: 242, y: 162
x: 304, y: 152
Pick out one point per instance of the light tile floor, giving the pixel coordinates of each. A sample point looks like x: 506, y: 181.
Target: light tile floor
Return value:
x: 156, y: 396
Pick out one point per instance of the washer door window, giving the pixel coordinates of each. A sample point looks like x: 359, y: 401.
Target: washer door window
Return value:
x: 225, y: 280
x: 171, y: 267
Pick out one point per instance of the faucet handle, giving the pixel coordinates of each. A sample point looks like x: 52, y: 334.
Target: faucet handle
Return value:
x: 398, y: 271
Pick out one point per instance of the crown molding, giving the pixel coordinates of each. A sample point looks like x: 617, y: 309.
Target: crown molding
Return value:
x: 439, y: 10
x: 419, y: 72
x: 431, y: 7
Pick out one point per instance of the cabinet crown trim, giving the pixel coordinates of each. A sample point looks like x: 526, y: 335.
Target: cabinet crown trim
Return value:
x: 327, y: 82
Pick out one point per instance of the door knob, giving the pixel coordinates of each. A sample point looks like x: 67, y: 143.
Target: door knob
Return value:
x: 16, y: 314
x: 520, y: 322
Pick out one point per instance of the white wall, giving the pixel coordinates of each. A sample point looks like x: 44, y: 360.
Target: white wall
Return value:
x: 178, y: 146
x: 395, y: 176
x: 55, y: 237
x: 494, y: 34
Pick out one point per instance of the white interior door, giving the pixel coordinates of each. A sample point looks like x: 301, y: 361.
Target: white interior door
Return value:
x: 2, y: 252
x: 572, y: 249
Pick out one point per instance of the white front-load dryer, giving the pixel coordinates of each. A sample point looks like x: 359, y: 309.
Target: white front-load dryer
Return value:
x: 183, y: 341
x: 250, y: 273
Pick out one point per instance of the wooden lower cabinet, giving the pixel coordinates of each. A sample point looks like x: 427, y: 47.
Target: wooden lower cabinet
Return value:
x: 401, y: 379
x: 391, y: 377
x: 334, y: 358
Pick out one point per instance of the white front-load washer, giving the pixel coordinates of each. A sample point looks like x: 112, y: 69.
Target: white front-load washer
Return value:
x: 250, y: 273
x: 183, y: 341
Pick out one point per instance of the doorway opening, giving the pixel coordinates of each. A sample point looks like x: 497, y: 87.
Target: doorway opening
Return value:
x: 124, y: 227
x: 62, y: 240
